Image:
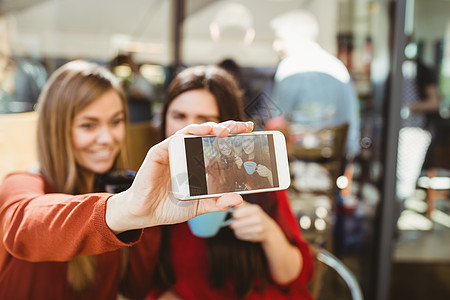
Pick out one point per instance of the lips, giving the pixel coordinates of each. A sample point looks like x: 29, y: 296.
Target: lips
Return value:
x: 101, y: 155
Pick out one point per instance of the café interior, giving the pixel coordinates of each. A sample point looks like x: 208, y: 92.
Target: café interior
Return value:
x: 380, y: 247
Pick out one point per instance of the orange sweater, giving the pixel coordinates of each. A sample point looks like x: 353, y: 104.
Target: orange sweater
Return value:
x: 41, y: 231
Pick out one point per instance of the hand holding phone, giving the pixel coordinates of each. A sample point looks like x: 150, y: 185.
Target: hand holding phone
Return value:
x: 149, y: 200
x: 243, y: 163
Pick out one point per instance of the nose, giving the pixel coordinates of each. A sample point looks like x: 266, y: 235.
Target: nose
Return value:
x: 104, y: 135
x: 195, y: 121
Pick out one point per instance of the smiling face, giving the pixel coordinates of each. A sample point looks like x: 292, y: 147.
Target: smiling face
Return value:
x: 191, y: 107
x: 98, y: 132
x: 248, y: 144
x: 225, y: 146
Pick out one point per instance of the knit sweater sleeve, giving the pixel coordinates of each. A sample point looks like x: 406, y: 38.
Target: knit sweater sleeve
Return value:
x: 39, y: 226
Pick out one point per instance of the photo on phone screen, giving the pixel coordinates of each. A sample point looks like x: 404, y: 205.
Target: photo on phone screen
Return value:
x: 231, y: 164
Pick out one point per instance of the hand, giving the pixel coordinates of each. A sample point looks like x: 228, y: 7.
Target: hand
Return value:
x: 263, y: 171
x: 251, y: 223
x: 238, y: 161
x: 148, y: 202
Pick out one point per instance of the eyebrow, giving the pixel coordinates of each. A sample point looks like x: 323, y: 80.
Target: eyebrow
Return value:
x: 201, y: 116
x: 121, y: 112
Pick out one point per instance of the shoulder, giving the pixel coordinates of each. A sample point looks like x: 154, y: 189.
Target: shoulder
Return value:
x: 25, y: 180
x: 21, y: 176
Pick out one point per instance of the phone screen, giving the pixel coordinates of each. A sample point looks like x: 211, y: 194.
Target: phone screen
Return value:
x: 231, y: 164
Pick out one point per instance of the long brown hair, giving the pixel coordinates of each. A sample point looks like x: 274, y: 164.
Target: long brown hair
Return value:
x: 69, y: 90
x: 228, y: 257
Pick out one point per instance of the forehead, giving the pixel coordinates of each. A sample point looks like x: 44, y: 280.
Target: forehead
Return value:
x: 200, y: 102
x: 109, y: 103
x: 224, y: 141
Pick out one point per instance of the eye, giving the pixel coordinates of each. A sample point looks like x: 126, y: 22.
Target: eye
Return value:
x: 88, y: 126
x: 117, y: 121
x: 178, y: 116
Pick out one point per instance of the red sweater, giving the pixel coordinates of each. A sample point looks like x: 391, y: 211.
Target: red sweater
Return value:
x: 41, y: 231
x: 189, y: 260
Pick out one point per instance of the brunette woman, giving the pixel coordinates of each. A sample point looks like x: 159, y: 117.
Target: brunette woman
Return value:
x: 261, y: 255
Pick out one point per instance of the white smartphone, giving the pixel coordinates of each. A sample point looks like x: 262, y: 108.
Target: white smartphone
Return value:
x: 208, y: 166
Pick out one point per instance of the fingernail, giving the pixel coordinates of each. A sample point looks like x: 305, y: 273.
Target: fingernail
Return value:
x: 224, y: 127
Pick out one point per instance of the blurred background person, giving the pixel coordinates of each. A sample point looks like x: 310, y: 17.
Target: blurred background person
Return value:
x: 312, y: 87
x: 256, y: 87
x: 262, y: 254
x: 139, y: 91
x: 231, y: 66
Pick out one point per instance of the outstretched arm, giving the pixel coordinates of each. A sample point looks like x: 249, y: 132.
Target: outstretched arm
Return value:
x: 148, y: 202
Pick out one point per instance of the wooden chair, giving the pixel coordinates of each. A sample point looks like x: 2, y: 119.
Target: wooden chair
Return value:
x: 17, y: 142
x: 327, y: 150
x: 328, y: 270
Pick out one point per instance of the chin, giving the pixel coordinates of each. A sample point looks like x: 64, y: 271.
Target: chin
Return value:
x: 101, y: 169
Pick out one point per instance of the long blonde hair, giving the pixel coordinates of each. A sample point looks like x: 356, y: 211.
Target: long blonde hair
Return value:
x: 69, y: 90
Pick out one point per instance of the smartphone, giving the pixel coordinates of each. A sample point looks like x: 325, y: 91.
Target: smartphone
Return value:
x: 208, y: 166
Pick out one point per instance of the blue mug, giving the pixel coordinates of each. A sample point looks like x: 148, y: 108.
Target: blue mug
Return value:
x: 207, y: 225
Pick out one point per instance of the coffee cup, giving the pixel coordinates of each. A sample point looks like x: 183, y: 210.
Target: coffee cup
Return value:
x: 207, y: 225
x: 250, y: 167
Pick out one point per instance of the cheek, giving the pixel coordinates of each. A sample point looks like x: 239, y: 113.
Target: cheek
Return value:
x: 172, y: 126
x: 81, y: 140
x: 248, y: 148
x: 119, y: 134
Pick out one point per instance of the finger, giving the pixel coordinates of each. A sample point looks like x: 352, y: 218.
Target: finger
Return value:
x: 252, y: 233
x: 234, y: 127
x: 229, y: 200
x: 239, y: 206
x: 221, y: 131
x: 244, y: 210
x: 222, y: 203
x: 254, y: 238
x: 197, y: 129
x: 248, y: 222
x: 241, y: 127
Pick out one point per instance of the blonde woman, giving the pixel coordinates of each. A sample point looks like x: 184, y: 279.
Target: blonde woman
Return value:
x: 224, y: 169
x: 62, y: 238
